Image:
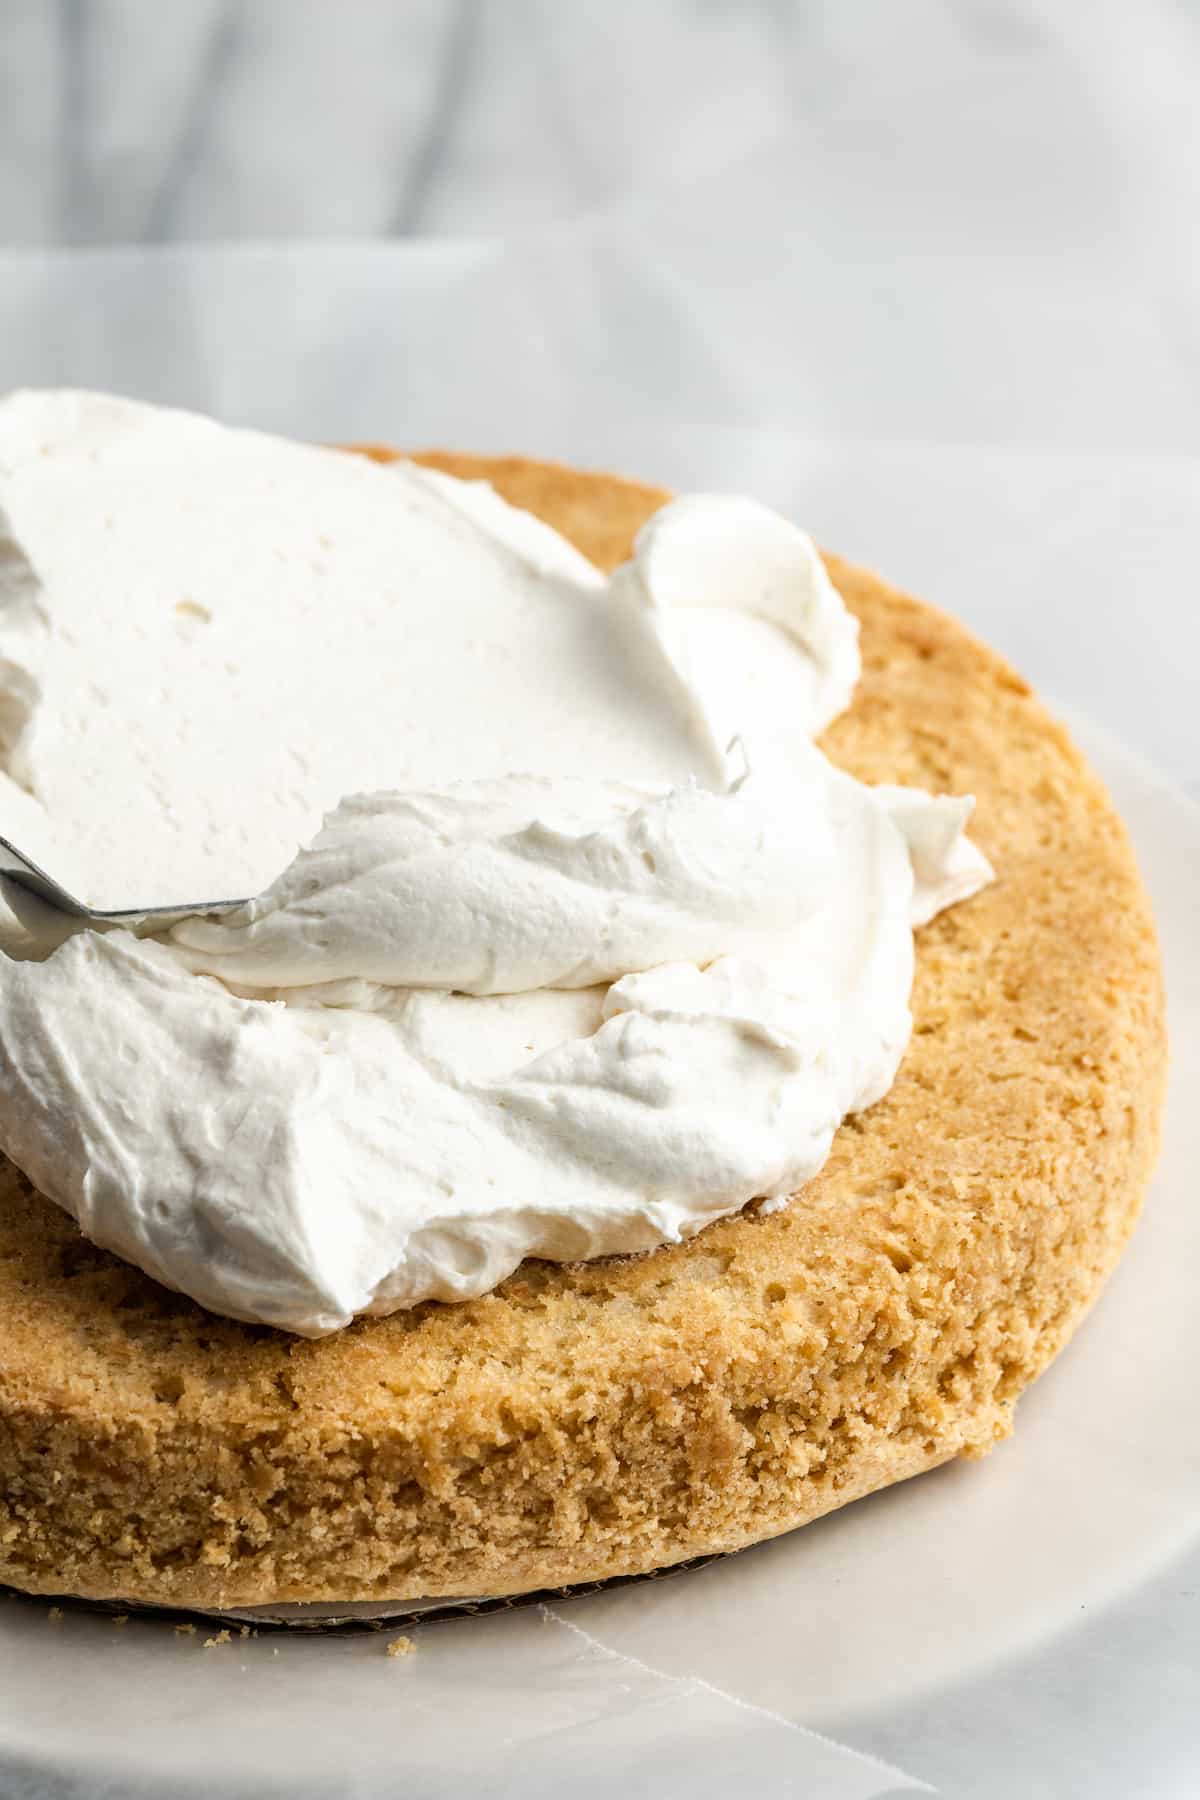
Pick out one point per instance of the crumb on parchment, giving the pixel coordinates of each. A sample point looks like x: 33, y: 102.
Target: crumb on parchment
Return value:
x: 120, y: 1618
x: 185, y: 1629
x: 222, y: 1637
x: 401, y: 1646
x: 55, y: 1612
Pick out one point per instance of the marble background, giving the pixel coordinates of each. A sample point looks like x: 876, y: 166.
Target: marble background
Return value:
x: 936, y: 220
x: 133, y: 121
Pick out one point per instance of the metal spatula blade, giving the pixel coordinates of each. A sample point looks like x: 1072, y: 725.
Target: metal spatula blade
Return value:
x: 16, y: 866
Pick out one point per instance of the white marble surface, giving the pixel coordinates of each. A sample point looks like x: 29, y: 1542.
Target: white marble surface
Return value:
x: 978, y: 216
x: 1007, y: 186
x: 130, y: 121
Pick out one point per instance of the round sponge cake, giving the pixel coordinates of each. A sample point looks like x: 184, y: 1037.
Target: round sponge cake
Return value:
x: 618, y: 1416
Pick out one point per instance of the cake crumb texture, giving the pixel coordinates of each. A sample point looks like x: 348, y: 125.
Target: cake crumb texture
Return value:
x: 609, y: 1418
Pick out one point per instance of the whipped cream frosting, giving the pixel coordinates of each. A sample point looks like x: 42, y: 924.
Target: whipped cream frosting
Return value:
x: 592, y: 947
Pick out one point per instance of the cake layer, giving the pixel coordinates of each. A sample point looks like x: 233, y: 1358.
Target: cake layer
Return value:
x: 603, y: 1419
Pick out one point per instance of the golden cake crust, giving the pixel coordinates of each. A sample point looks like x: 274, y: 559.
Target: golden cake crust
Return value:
x: 618, y: 1416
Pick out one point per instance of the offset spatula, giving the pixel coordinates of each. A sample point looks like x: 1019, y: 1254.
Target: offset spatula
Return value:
x: 16, y: 866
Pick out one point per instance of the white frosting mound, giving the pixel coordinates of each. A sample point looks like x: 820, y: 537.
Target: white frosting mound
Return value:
x: 571, y: 1012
